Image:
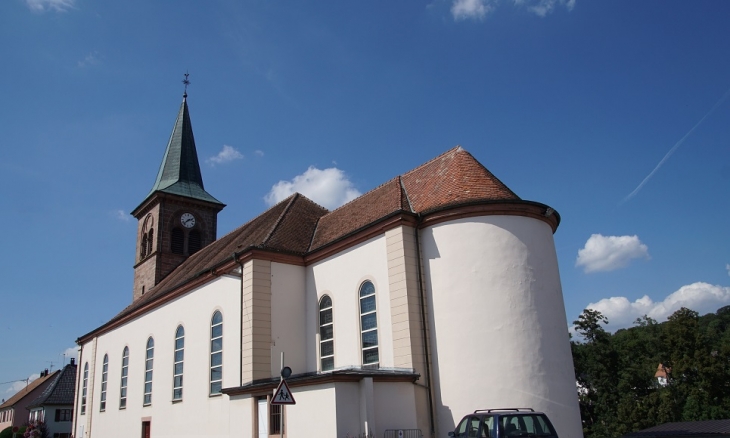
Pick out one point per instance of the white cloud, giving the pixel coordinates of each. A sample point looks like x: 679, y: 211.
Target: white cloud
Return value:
x: 71, y: 352
x: 544, y: 7
x: 121, y: 215
x: 478, y: 9
x: 259, y: 153
x: 90, y: 59
x: 329, y: 188
x: 17, y: 386
x: 471, y: 9
x: 226, y: 155
x: 607, y: 253
x: 48, y: 5
x: 700, y: 297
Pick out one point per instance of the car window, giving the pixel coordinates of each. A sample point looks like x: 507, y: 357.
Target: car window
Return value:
x: 461, y: 428
x: 488, y: 430
x: 473, y: 427
x: 523, y: 425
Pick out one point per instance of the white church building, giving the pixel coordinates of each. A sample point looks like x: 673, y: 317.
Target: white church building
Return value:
x: 433, y: 295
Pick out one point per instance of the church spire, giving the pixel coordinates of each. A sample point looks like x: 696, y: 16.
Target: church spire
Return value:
x: 179, y: 173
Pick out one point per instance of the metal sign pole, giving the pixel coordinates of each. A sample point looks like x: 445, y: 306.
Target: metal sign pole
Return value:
x: 281, y: 407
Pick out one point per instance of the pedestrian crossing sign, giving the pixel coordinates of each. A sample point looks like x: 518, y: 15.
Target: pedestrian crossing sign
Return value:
x: 283, y: 396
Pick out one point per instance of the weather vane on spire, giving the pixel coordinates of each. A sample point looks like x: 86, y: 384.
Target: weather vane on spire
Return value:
x: 186, y: 82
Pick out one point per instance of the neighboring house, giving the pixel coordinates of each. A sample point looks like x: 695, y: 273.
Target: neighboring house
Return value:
x: 14, y: 412
x: 661, y: 374
x: 432, y: 295
x: 686, y: 429
x: 55, y: 406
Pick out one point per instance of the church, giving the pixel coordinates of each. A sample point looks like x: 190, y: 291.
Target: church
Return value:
x: 433, y: 295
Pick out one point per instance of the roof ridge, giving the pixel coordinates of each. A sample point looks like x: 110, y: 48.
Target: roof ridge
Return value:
x: 280, y: 219
x: 456, y: 148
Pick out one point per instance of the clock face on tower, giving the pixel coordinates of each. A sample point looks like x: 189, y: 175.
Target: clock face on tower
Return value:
x: 187, y: 220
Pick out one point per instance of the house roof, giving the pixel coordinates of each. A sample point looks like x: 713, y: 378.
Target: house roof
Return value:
x: 297, y: 226
x: 20, y: 395
x: 60, y: 391
x: 685, y: 428
x: 179, y: 173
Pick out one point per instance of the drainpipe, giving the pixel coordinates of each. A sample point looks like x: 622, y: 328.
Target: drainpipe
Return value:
x: 240, y: 343
x: 422, y: 301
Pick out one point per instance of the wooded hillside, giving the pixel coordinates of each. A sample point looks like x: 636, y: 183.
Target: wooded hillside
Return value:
x: 617, y: 388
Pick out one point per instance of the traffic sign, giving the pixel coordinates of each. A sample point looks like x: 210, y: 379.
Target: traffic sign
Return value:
x: 283, y: 395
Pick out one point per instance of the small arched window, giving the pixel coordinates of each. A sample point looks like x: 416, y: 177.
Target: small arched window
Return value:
x: 177, y: 244
x: 368, y: 325
x: 150, y: 239
x: 148, y: 362
x: 123, y: 383
x: 216, y: 353
x: 84, y: 387
x: 104, y: 372
x: 148, y: 234
x: 143, y: 247
x: 326, y: 334
x: 194, y: 242
x: 177, y: 373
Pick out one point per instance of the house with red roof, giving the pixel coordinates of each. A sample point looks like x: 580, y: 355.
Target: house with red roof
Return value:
x: 14, y: 411
x: 430, y: 296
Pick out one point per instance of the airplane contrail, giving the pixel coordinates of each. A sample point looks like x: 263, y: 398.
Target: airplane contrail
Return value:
x: 674, y: 148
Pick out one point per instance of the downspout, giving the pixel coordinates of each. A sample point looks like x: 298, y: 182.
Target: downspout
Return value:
x: 422, y: 301
x: 240, y: 343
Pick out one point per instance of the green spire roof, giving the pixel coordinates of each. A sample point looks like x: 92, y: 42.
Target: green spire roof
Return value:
x: 179, y: 173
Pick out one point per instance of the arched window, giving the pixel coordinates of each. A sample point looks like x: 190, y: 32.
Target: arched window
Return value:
x: 84, y: 386
x: 216, y: 353
x: 326, y: 334
x: 104, y: 371
x: 177, y: 245
x: 194, y: 242
x: 368, y: 325
x: 177, y: 372
x: 148, y: 234
x: 149, y: 357
x: 123, y: 383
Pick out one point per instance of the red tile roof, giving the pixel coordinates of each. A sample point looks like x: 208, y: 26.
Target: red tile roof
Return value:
x: 298, y: 226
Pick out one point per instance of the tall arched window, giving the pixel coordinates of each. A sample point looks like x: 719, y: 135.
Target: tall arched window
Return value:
x: 177, y: 372
x: 216, y: 353
x: 194, y: 242
x: 84, y: 386
x: 326, y: 334
x: 368, y: 325
x: 149, y: 357
x: 104, y: 371
x: 148, y: 234
x: 123, y: 383
x: 177, y: 244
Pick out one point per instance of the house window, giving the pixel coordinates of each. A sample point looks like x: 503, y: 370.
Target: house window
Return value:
x: 104, y: 370
x: 275, y: 419
x: 368, y: 325
x: 63, y: 415
x: 83, y: 388
x: 149, y: 356
x: 326, y: 331
x: 177, y: 373
x: 123, y: 384
x: 216, y: 353
x: 194, y: 242
x: 177, y: 245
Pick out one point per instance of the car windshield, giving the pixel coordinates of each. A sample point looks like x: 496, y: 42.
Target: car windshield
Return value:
x: 525, y: 425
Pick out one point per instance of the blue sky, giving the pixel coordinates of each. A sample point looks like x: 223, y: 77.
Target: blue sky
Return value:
x: 570, y: 103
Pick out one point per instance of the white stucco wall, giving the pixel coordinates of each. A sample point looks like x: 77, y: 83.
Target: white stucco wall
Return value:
x: 340, y: 277
x: 313, y: 415
x: 498, y: 328
x: 198, y: 414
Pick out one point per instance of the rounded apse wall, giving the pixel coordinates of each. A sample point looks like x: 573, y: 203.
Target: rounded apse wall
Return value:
x: 499, y: 335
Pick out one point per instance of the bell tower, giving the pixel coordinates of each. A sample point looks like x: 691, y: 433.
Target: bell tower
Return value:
x: 178, y: 217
